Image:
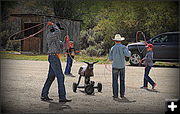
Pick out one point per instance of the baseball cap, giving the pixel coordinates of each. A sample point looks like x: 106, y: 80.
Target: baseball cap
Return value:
x: 149, y: 46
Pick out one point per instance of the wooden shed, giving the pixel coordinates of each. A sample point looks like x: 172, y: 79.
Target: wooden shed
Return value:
x: 38, y: 44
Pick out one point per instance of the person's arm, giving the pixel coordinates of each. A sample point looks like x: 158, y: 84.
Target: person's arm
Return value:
x: 147, y: 58
x: 141, y: 61
x: 127, y: 53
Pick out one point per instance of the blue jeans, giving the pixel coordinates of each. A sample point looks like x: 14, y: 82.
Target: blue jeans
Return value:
x: 55, y: 69
x: 147, y: 78
x: 68, y: 65
x: 115, y: 74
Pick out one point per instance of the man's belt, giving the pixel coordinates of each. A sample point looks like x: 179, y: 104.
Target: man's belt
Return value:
x: 56, y: 54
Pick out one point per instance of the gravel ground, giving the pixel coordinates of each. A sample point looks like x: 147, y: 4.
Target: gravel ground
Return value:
x: 22, y: 81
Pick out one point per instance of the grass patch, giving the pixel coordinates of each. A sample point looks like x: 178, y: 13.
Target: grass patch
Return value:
x: 167, y: 64
x: 78, y: 58
x: 24, y: 57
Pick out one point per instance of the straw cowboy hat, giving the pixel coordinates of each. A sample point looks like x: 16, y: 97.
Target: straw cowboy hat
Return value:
x: 118, y: 38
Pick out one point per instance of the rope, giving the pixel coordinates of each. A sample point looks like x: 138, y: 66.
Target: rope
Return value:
x: 30, y: 36
x: 155, y: 79
x: 137, y: 33
x: 106, y: 66
x: 25, y: 30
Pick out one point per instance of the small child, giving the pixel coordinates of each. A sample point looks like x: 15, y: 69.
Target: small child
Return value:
x: 70, y: 57
x: 148, y: 62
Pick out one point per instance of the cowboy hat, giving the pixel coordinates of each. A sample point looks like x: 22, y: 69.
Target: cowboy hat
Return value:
x: 118, y: 38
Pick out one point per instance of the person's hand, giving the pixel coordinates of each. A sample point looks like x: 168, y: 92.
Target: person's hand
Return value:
x: 77, y: 51
x: 145, y: 43
x: 140, y: 62
x: 50, y: 23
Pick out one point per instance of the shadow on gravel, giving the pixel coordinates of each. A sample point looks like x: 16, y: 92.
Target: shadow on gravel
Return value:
x: 56, y: 106
x: 93, y: 94
x: 125, y: 100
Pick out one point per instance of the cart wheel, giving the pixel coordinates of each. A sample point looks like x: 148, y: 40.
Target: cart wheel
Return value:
x: 89, y: 89
x: 99, y: 85
x: 74, y: 87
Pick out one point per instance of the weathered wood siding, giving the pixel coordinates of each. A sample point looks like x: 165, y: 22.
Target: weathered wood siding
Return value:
x: 32, y: 44
x: 72, y: 28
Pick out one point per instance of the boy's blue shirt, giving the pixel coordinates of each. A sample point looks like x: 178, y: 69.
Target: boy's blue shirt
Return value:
x: 117, y: 54
x: 148, y: 59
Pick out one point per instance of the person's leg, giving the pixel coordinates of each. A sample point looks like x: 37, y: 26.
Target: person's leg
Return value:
x: 146, y: 76
x: 67, y: 70
x: 115, y: 73
x: 47, y: 85
x: 122, y: 82
x: 56, y: 66
x: 145, y: 83
x: 49, y: 80
x: 70, y: 64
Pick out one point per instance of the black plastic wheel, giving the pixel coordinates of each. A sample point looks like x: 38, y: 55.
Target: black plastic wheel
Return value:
x: 74, y: 87
x: 89, y: 89
x: 99, y: 85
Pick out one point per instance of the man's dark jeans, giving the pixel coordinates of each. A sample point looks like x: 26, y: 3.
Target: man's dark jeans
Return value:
x: 55, y: 69
x: 118, y: 73
x: 147, y: 78
x: 68, y: 65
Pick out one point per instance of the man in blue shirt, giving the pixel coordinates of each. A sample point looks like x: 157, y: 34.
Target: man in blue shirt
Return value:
x: 117, y: 56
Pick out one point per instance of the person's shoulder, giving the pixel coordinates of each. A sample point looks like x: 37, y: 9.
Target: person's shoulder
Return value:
x: 112, y: 47
x: 121, y: 46
x: 149, y: 53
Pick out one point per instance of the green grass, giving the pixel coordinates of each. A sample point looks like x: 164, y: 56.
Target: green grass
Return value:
x: 24, y: 57
x: 78, y: 58
x: 167, y: 64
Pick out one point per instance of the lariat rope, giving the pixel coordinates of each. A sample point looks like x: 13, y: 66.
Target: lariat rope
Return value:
x: 26, y: 30
x: 137, y: 36
x: 66, y: 43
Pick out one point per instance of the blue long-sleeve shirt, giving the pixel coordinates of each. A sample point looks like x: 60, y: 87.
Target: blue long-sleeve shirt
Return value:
x: 117, y: 55
x: 55, y: 45
x: 148, y: 59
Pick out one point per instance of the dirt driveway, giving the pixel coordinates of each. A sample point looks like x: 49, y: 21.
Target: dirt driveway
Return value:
x: 22, y: 81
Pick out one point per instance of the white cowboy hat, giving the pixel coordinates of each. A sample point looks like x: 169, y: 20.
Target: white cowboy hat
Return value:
x: 118, y: 38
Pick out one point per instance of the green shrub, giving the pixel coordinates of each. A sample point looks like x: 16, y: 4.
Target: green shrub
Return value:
x: 13, y: 46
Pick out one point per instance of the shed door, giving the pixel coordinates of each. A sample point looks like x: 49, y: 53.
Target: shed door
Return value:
x: 33, y: 44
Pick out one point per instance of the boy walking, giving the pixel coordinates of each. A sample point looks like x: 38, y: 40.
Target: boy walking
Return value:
x: 148, y: 62
x: 117, y: 55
